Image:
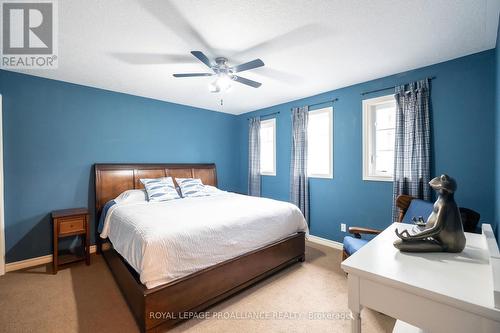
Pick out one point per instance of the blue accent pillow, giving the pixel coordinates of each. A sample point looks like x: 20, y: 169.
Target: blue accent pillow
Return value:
x: 191, y: 187
x: 160, y: 189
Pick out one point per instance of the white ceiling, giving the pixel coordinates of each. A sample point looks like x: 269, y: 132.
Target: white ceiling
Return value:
x: 308, y: 46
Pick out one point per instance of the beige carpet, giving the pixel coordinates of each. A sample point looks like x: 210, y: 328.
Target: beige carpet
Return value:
x: 86, y: 299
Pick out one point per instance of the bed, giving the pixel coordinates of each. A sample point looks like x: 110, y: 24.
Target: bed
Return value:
x: 159, y: 303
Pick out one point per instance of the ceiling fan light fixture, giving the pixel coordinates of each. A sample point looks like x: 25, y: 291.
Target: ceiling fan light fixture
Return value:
x: 221, y: 83
x: 224, y: 82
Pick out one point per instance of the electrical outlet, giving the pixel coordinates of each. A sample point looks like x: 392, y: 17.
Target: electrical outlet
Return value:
x: 343, y: 227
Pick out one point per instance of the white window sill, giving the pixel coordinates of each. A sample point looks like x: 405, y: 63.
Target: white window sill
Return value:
x: 377, y: 178
x: 268, y: 174
x: 321, y: 176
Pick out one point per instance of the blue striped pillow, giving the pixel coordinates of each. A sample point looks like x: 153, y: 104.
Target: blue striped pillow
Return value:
x: 160, y: 189
x: 191, y: 187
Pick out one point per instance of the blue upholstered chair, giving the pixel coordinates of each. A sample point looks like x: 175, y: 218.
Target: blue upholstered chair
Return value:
x: 409, y: 208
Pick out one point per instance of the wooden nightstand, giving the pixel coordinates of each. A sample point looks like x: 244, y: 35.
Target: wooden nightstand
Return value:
x: 70, y: 222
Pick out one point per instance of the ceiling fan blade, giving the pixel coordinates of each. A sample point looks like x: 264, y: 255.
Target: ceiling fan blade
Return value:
x: 168, y: 14
x: 192, y: 74
x: 202, y: 57
x: 138, y: 58
x: 248, y: 65
x: 299, y: 36
x: 279, y: 75
x: 248, y: 82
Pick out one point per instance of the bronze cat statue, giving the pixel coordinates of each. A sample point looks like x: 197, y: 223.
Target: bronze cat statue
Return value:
x: 444, y: 230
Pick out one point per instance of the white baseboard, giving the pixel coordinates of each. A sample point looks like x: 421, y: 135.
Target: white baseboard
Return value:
x: 325, y: 242
x: 27, y: 263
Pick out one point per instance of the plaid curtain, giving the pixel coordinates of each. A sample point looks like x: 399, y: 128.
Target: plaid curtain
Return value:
x: 412, y: 147
x: 254, y: 157
x: 299, y: 187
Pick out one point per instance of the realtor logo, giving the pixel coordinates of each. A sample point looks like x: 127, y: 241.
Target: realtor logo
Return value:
x: 29, y: 34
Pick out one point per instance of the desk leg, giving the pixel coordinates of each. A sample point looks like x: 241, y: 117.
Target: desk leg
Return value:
x: 353, y: 302
x: 356, y: 322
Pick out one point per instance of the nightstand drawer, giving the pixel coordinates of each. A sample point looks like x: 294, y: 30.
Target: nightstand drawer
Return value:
x: 71, y: 225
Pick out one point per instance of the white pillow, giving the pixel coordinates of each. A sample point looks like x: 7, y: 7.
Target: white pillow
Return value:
x: 132, y: 196
x: 160, y: 189
x: 212, y: 190
x: 191, y: 187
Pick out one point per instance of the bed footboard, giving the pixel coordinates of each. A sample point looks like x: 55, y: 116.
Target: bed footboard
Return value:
x: 164, y: 306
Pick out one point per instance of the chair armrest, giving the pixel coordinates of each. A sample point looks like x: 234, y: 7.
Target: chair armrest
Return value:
x: 357, y: 231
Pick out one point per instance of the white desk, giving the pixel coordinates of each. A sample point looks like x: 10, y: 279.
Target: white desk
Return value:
x: 437, y: 292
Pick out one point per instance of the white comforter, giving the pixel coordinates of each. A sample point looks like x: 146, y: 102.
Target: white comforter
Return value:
x: 167, y: 240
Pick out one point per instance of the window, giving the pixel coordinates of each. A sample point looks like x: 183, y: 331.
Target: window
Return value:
x: 320, y: 143
x: 268, y: 147
x: 379, y: 121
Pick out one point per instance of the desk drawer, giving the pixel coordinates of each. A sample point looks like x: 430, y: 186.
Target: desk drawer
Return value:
x: 71, y: 225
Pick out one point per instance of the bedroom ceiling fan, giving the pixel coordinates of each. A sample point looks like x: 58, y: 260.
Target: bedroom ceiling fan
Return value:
x: 224, y: 73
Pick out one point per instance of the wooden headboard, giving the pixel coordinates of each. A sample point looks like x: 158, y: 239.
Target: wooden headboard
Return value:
x: 113, y: 179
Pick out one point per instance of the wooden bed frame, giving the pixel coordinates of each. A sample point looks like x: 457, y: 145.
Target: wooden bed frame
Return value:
x: 163, y: 306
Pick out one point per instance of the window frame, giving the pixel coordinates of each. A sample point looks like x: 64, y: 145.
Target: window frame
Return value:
x: 369, y: 137
x: 273, y: 126
x: 329, y: 110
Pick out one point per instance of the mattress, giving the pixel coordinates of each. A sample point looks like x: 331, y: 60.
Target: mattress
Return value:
x: 164, y: 241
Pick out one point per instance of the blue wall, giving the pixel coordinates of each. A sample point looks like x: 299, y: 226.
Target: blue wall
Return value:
x: 55, y: 131
x: 497, y: 100
x: 463, y: 125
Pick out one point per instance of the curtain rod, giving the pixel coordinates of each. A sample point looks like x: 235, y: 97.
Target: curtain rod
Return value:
x: 266, y: 115
x: 387, y: 88
x: 328, y: 101
x: 272, y: 114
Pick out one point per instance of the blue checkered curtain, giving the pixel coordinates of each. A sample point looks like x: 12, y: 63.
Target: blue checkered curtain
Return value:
x: 412, y: 147
x: 254, y: 157
x: 299, y: 187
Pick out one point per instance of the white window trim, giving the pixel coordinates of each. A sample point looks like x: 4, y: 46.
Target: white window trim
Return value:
x: 368, y: 137
x: 328, y: 110
x: 273, y: 121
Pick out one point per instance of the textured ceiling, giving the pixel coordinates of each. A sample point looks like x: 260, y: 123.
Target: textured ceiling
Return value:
x: 308, y: 46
